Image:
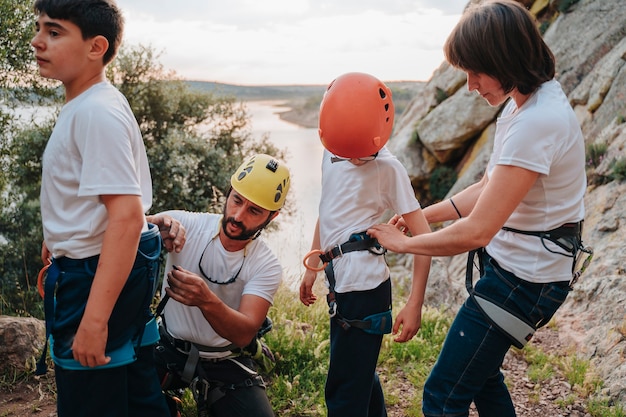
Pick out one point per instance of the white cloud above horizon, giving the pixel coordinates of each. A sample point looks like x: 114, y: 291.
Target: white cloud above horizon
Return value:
x: 293, y: 41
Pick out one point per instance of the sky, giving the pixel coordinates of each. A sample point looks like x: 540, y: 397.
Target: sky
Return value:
x: 283, y: 42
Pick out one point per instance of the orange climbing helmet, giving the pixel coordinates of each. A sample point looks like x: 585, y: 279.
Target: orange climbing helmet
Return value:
x: 356, y: 115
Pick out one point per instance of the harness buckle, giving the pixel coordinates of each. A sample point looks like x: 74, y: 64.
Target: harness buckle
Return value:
x: 332, y: 308
x: 200, y: 389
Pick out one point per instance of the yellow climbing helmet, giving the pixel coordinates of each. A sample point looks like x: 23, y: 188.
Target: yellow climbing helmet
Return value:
x: 356, y: 115
x: 263, y: 180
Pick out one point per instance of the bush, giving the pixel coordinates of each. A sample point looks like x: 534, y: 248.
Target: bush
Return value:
x: 441, y: 180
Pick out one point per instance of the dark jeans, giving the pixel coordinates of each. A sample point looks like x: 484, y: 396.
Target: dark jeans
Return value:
x: 468, y: 367
x: 125, y: 391
x: 352, y: 385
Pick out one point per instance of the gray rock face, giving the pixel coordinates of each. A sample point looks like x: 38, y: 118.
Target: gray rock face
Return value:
x: 450, y: 126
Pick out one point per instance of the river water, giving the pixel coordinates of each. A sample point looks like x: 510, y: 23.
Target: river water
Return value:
x: 304, y: 151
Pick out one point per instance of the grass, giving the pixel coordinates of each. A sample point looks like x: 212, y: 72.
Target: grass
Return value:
x: 300, y: 342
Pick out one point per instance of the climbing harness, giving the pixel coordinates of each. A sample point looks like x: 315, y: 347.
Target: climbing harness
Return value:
x: 569, y: 238
x: 205, y: 390
x: 517, y: 328
x: 146, y: 262
x: 379, y: 323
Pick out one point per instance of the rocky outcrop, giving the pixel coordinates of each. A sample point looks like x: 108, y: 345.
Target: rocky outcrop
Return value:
x: 21, y: 341
x: 445, y: 125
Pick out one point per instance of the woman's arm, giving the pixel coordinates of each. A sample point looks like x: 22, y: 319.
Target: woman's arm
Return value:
x: 499, y: 197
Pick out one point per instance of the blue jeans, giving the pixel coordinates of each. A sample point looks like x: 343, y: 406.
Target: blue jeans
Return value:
x: 468, y: 367
x: 352, y: 385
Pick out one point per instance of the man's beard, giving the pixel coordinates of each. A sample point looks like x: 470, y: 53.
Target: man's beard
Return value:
x: 245, y: 234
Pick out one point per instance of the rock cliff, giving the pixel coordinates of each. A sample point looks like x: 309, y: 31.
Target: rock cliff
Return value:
x: 447, y: 125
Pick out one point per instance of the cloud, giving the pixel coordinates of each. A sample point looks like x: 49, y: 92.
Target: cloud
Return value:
x: 293, y: 41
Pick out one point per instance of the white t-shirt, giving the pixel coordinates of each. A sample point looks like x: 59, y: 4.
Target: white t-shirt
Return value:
x: 95, y: 148
x: 260, y: 274
x: 353, y: 199
x: 542, y: 136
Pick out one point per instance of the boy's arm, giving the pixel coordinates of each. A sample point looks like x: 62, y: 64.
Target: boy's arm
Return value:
x: 410, y: 317
x: 119, y: 249
x: 306, y: 286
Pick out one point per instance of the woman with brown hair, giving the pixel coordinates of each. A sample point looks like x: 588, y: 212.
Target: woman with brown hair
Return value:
x: 525, y: 214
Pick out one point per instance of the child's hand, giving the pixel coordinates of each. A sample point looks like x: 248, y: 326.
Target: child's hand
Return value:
x: 409, y: 320
x: 306, y: 288
x: 399, y: 222
x: 89, y: 343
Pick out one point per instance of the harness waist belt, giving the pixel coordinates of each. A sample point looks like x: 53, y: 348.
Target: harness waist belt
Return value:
x: 185, y: 346
x: 358, y: 241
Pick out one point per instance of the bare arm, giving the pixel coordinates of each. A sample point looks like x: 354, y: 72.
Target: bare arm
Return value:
x: 410, y: 317
x: 497, y: 200
x: 464, y: 202
x: 119, y: 248
x: 306, y: 286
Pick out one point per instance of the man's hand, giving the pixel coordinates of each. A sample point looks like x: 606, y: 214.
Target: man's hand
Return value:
x: 172, y: 231
x: 187, y: 288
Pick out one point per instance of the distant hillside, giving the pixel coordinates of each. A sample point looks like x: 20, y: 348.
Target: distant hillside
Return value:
x: 248, y: 92
x: 303, y: 100
x: 284, y: 92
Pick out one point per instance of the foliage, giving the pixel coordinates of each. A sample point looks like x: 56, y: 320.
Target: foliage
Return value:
x: 194, y: 139
x: 440, y: 182
x: 618, y: 170
x: 440, y: 95
x: 595, y: 153
x: 194, y: 142
x: 564, y: 5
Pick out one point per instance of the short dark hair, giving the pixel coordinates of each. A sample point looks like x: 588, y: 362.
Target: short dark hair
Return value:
x: 500, y: 38
x: 93, y: 17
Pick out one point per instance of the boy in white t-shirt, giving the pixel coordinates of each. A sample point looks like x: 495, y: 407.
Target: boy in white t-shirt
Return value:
x: 95, y: 189
x: 361, y: 180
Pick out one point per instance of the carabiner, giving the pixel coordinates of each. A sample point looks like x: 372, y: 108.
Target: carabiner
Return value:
x: 308, y: 255
x: 40, y: 277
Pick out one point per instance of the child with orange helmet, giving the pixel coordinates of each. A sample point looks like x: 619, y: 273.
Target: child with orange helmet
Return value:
x: 361, y: 180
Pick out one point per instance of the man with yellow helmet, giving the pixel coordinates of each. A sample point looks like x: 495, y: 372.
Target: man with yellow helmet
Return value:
x: 361, y: 180
x: 220, y: 286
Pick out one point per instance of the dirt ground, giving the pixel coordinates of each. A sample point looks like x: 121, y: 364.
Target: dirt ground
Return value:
x: 530, y: 399
x: 35, y: 397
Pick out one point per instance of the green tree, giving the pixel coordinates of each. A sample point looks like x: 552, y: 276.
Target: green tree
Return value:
x: 194, y: 142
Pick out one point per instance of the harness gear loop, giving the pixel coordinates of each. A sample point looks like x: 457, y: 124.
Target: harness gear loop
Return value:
x: 41, y: 277
x: 379, y: 323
